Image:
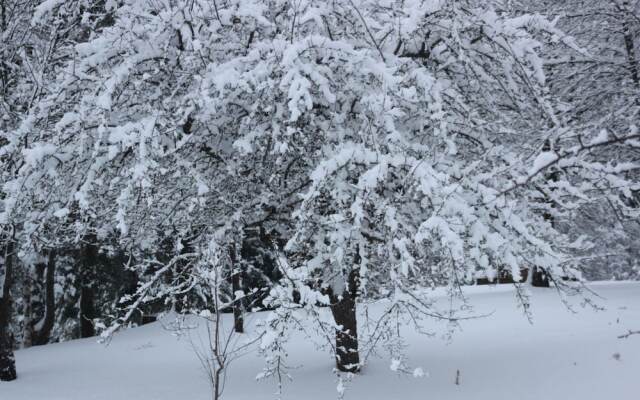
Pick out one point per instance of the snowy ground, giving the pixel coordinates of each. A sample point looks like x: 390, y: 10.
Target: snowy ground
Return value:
x: 561, y: 356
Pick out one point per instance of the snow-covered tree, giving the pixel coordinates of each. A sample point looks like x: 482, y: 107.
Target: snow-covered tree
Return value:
x: 404, y: 193
x: 384, y: 147
x: 594, y: 149
x: 392, y: 122
x: 37, y: 42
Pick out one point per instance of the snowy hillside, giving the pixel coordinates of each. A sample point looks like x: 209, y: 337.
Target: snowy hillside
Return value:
x: 561, y: 356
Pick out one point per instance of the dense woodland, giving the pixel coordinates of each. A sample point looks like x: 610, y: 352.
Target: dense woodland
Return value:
x: 210, y: 156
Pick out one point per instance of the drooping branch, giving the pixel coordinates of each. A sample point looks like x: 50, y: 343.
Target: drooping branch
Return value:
x: 629, y: 334
x: 551, y: 159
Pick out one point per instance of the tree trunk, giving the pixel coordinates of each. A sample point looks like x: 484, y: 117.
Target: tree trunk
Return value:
x: 344, y: 313
x: 236, y: 286
x: 87, y: 312
x: 630, y: 48
x: 343, y: 308
x: 539, y: 277
x: 87, y: 307
x: 7, y: 359
x: 42, y: 334
x: 27, y: 334
x: 238, y: 319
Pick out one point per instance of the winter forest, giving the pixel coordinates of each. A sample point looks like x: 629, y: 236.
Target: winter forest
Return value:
x: 319, y: 199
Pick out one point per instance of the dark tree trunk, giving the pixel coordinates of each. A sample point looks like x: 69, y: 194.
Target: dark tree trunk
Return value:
x: 87, y: 307
x: 238, y: 319
x: 343, y: 308
x: 87, y: 312
x: 7, y: 359
x: 41, y: 336
x: 539, y: 277
x: 630, y: 48
x: 27, y: 334
x: 344, y: 313
x: 236, y: 285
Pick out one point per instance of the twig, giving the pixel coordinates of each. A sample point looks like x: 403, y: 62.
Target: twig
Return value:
x: 626, y: 335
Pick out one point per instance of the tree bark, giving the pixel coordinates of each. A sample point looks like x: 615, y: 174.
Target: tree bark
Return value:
x: 343, y: 308
x: 630, y: 48
x: 236, y: 285
x: 347, y: 355
x: 87, y: 307
x: 7, y: 359
x: 238, y: 318
x: 42, y: 335
x: 87, y: 313
x: 27, y: 335
x: 539, y: 277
